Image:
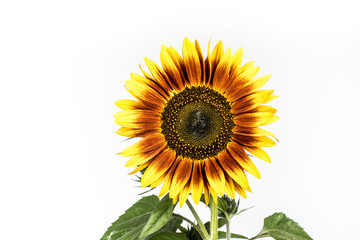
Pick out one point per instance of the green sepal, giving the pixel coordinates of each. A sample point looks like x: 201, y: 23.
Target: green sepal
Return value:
x: 243, y: 210
x: 222, y: 206
x: 280, y: 227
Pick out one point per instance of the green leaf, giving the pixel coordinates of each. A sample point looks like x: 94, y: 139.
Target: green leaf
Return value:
x: 159, y: 216
x: 193, y: 234
x: 131, y: 223
x: 221, y: 222
x: 222, y: 235
x: 172, y: 225
x: 169, y: 236
x: 280, y: 227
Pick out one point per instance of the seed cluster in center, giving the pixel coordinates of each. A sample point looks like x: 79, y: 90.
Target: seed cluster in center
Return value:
x: 197, y: 123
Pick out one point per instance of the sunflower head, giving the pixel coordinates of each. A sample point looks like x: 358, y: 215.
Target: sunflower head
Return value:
x: 198, y: 119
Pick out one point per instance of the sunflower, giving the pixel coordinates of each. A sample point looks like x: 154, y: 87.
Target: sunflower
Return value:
x: 198, y: 119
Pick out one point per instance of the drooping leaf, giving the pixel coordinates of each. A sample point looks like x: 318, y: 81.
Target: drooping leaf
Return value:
x: 172, y: 225
x: 169, y: 236
x: 280, y: 227
x: 159, y: 216
x: 130, y: 224
x: 222, y: 235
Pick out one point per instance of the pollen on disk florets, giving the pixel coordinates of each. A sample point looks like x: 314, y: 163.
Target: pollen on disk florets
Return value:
x: 197, y: 123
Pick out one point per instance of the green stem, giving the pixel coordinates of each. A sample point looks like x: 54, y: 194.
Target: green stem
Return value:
x: 228, y: 234
x: 214, y: 220
x: 198, y: 220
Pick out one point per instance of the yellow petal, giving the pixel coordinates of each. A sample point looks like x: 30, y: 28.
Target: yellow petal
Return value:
x: 215, y: 176
x: 171, y: 66
x: 128, y: 104
x: 233, y: 169
x: 192, y: 63
x: 251, y: 73
x: 166, y: 186
x: 229, y: 187
x: 180, y: 177
x: 139, y: 78
x: 184, y: 194
x: 243, y: 159
x: 255, y: 84
x: 158, y: 181
x: 140, y: 167
x: 197, y: 183
x: 208, y: 67
x: 206, y: 194
x: 250, y: 168
x: 175, y: 199
x: 240, y: 190
x: 157, y: 72
x: 145, y: 73
x: 258, y: 152
x: 136, y: 160
x: 131, y: 116
x: 201, y: 60
x: 137, y: 132
x: 264, y: 108
x: 213, y: 194
x: 148, y: 143
x: 252, y: 141
x: 236, y: 59
x: 273, y: 119
x: 270, y: 98
x: 141, y: 158
x: 251, y: 102
x: 248, y: 66
x: 253, y: 119
x: 161, y: 82
x: 256, y: 132
x: 144, y: 94
x: 217, y: 54
x: 158, y: 167
x: 221, y: 75
x: 133, y: 149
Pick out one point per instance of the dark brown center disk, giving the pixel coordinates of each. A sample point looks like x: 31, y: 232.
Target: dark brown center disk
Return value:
x: 197, y: 123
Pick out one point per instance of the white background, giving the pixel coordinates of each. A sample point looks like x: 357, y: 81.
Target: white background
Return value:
x: 63, y: 65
